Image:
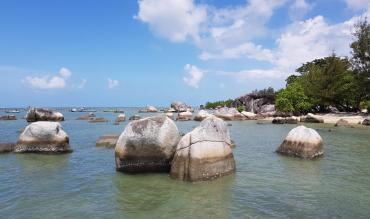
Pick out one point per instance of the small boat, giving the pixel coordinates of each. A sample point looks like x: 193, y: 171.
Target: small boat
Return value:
x: 82, y: 109
x: 12, y: 111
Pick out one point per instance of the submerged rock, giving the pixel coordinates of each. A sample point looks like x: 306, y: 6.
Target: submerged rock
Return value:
x: 43, y: 137
x: 202, y: 114
x: 226, y: 113
x: 185, y: 116
x: 34, y: 115
x: 6, y: 147
x: 108, y: 141
x: 204, y: 153
x: 8, y: 117
x: 311, y: 118
x: 302, y: 142
x: 147, y: 145
x: 366, y: 122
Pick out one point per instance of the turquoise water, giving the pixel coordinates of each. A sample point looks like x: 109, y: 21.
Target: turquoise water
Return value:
x: 84, y: 184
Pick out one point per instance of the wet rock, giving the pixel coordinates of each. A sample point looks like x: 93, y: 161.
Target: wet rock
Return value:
x: 204, y: 153
x: 342, y: 123
x: 302, y: 142
x: 108, y: 141
x: 6, y: 147
x: 35, y: 114
x: 311, y: 118
x: 202, y: 114
x: 43, y: 137
x: 99, y: 119
x: 366, y: 122
x: 286, y: 120
x: 147, y: 145
x: 8, y: 117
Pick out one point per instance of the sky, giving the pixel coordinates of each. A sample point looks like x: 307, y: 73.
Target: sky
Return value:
x: 153, y: 52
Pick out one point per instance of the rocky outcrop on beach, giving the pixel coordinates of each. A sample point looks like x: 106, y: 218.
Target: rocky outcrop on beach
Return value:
x: 149, y: 109
x: 108, y: 141
x: 185, y: 116
x: 88, y: 116
x: 120, y: 118
x: 43, y: 137
x: 302, y: 142
x: 6, y: 147
x: 366, y: 122
x: 202, y: 114
x: 204, y: 153
x: 226, y: 113
x: 39, y: 114
x: 8, y: 117
x: 255, y: 103
x: 147, y: 145
x: 311, y: 118
x: 180, y: 106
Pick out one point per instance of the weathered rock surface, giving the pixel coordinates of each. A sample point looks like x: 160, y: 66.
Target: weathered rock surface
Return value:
x: 249, y: 115
x: 226, y: 113
x: 268, y: 108
x: 147, y: 145
x: 108, y: 141
x: 302, y: 142
x: 6, y: 147
x: 180, y: 106
x: 43, y: 137
x: 366, y: 121
x: 135, y: 117
x: 185, y: 116
x: 121, y: 118
x: 35, y: 114
x: 311, y: 118
x: 204, y: 153
x: 202, y: 114
x: 253, y: 102
x: 8, y: 117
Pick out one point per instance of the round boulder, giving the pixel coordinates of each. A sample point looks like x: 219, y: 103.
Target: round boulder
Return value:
x: 311, y: 118
x: 302, y: 142
x: 226, y: 113
x: 34, y: 115
x: 202, y: 114
x: 43, y: 137
x: 204, y: 153
x: 147, y: 145
x: 185, y: 116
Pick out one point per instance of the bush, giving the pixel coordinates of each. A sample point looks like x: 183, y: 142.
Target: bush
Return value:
x: 284, y: 105
x: 292, y: 99
x: 241, y: 109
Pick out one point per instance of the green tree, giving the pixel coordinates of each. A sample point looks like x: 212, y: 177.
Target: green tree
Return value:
x: 292, y: 99
x: 361, y: 59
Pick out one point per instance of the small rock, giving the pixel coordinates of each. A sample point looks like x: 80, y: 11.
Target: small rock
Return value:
x: 8, y: 117
x: 108, y: 141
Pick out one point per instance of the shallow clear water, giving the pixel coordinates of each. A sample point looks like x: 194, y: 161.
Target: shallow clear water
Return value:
x: 84, y: 184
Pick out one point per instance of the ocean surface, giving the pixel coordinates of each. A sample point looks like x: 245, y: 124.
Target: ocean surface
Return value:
x: 85, y: 184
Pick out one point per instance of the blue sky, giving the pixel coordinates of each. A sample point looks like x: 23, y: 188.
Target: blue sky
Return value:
x: 135, y: 53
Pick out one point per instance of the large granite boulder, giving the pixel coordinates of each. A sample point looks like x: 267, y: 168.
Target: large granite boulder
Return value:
x: 180, y: 106
x: 268, y: 108
x: 147, y: 145
x: 6, y: 147
x: 249, y: 115
x: 149, y: 109
x: 254, y: 102
x: 43, y: 137
x: 185, y: 116
x: 202, y: 114
x: 204, y: 153
x: 285, y: 120
x: 302, y: 142
x: 226, y: 113
x: 108, y: 141
x: 35, y: 114
x: 311, y: 118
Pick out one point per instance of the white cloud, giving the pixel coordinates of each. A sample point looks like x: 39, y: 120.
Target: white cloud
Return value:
x: 112, y: 83
x: 47, y: 81
x: 358, y: 4
x: 298, y: 9
x: 194, y: 77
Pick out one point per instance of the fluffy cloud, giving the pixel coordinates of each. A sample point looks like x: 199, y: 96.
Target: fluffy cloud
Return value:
x: 47, y: 81
x: 194, y: 75
x: 298, y: 9
x: 112, y: 83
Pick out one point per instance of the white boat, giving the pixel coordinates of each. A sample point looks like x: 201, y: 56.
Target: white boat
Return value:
x: 12, y: 111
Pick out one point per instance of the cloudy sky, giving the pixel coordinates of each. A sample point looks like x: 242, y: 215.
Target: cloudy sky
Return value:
x: 134, y: 53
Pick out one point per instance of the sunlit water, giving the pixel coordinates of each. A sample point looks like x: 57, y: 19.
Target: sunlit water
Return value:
x: 85, y: 184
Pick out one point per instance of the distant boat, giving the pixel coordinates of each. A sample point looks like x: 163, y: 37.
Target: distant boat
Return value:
x: 82, y: 109
x: 12, y: 111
